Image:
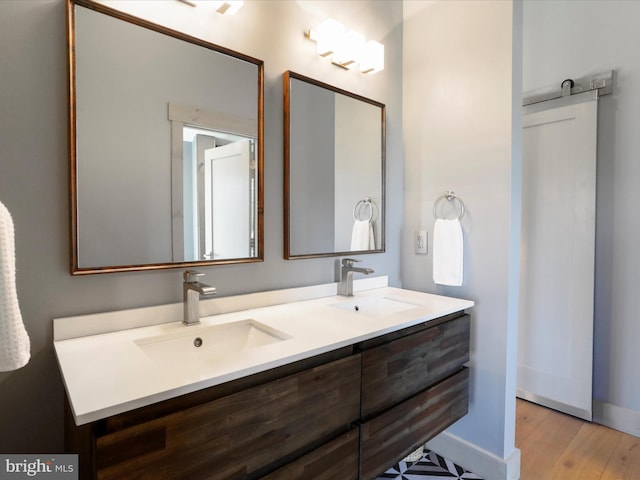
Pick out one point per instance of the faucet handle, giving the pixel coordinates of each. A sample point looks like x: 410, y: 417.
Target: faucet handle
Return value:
x: 191, y: 276
x: 348, y: 262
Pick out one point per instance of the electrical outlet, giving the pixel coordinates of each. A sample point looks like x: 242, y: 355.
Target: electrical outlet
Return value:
x: 421, y: 242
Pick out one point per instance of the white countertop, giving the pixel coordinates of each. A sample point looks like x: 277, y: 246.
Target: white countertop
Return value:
x: 105, y: 372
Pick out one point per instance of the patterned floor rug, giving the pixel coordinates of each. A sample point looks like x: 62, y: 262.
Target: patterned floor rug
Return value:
x: 431, y: 466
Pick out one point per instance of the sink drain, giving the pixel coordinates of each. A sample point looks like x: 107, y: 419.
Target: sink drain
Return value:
x: 197, y: 342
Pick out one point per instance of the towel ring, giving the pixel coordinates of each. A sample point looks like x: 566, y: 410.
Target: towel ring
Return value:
x: 361, y: 204
x: 449, y: 196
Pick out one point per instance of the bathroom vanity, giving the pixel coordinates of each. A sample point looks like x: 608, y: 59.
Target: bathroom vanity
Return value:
x: 348, y: 387
x: 291, y: 384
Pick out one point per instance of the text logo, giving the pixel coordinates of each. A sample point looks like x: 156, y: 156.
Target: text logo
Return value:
x: 50, y: 467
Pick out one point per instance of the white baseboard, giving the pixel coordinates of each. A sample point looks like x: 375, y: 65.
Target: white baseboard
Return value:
x: 618, y: 418
x: 475, y: 459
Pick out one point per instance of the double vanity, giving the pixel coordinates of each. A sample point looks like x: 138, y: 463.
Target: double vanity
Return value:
x: 336, y: 381
x: 297, y: 383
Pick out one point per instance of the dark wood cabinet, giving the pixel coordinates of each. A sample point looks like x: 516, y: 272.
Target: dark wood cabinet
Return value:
x: 336, y: 460
x: 413, y: 387
x: 404, y: 366
x: 241, y: 435
x: 398, y: 431
x: 343, y: 415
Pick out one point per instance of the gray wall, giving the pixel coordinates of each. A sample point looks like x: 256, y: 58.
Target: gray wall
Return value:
x: 311, y: 169
x: 34, y: 178
x: 458, y: 127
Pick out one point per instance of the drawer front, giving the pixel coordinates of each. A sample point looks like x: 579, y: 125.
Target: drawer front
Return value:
x: 391, y: 436
x: 241, y: 434
x: 396, y: 370
x: 336, y: 460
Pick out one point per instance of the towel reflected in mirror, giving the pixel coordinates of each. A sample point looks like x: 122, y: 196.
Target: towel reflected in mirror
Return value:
x: 362, y: 236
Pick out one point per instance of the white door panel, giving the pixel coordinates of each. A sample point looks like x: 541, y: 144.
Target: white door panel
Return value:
x: 555, y: 345
x: 228, y: 201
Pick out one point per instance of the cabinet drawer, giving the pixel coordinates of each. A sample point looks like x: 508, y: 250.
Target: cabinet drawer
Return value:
x: 392, y: 435
x: 396, y: 370
x: 336, y: 460
x: 239, y: 435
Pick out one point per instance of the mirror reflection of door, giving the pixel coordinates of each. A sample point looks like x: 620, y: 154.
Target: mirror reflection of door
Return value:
x: 202, y: 142
x: 219, y: 195
x: 227, y: 208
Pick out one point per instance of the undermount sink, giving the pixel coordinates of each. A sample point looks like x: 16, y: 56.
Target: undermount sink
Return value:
x: 206, y: 345
x: 375, y: 306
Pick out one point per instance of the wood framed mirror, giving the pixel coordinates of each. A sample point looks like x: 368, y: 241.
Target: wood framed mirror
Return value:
x: 151, y: 111
x: 334, y: 170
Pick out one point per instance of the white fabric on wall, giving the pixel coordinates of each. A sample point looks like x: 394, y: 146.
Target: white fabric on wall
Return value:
x: 14, y: 341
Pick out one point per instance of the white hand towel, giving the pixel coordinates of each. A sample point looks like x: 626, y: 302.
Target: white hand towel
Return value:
x: 362, y: 237
x: 448, y: 252
x: 14, y: 341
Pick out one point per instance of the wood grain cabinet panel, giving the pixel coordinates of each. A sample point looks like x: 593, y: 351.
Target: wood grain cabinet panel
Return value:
x: 396, y: 370
x: 240, y: 436
x: 397, y: 432
x: 336, y: 460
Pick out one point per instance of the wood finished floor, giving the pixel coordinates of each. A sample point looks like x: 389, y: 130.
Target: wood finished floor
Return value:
x: 557, y: 446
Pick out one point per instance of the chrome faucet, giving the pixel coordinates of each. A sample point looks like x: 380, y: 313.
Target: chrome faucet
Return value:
x: 192, y: 289
x: 345, y: 287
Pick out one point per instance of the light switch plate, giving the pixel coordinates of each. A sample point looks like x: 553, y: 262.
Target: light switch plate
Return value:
x: 421, y: 242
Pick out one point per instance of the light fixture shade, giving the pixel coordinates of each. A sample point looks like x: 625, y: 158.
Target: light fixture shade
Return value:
x: 328, y: 37
x: 372, y: 59
x: 350, y: 50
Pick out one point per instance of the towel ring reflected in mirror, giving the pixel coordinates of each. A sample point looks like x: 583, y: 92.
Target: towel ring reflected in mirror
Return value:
x: 363, y: 205
x: 450, y: 196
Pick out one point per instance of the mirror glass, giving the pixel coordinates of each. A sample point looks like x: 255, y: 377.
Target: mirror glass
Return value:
x: 334, y: 170
x: 218, y: 172
x: 166, y: 154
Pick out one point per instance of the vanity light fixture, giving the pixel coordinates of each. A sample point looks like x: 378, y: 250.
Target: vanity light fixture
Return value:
x: 225, y: 7
x: 372, y: 59
x: 350, y: 50
x: 327, y: 37
x: 346, y: 49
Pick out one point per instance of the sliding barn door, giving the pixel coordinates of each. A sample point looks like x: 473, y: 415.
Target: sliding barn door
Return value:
x: 555, y: 345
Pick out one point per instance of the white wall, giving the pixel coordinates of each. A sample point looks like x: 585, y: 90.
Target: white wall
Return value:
x: 569, y: 39
x: 358, y: 143
x: 34, y: 177
x: 458, y: 74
